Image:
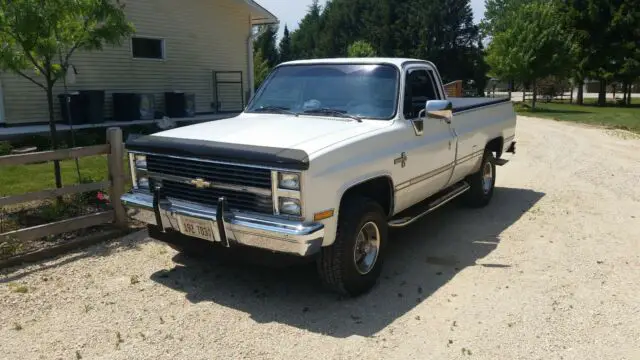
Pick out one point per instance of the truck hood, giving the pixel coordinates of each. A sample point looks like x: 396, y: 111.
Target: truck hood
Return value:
x: 306, y: 133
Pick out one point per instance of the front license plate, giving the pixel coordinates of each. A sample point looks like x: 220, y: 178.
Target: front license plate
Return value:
x: 202, y: 229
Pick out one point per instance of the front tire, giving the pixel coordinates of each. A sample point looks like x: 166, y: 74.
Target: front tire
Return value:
x: 482, y: 183
x: 352, y: 265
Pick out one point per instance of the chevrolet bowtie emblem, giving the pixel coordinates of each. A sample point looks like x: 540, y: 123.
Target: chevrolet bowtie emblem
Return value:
x: 200, y: 183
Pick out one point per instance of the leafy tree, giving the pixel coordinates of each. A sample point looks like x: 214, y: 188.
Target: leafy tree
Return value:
x: 438, y: 30
x: 361, y: 49
x: 38, y: 39
x: 532, y: 46
x: 266, y: 43
x: 497, y: 13
x: 261, y: 68
x: 606, y: 32
x: 285, y: 46
x: 305, y: 39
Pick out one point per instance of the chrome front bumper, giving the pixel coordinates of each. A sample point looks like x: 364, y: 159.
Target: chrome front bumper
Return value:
x: 263, y: 232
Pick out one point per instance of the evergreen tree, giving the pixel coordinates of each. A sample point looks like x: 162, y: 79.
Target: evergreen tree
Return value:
x: 266, y: 44
x: 606, y: 34
x: 285, y: 46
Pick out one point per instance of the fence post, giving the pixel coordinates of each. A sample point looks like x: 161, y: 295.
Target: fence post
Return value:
x: 116, y: 175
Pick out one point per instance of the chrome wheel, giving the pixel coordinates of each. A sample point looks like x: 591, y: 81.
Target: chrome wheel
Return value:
x: 487, y: 177
x: 367, y: 247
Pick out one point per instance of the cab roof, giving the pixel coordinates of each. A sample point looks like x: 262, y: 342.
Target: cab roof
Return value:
x: 398, y: 62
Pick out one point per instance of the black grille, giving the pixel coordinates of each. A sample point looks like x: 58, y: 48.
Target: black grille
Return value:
x: 228, y: 174
x: 225, y: 174
x: 237, y: 200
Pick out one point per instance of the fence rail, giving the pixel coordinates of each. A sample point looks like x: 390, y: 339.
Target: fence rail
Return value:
x: 113, y: 149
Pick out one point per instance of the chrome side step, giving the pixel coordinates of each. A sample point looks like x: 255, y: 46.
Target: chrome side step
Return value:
x: 419, y: 210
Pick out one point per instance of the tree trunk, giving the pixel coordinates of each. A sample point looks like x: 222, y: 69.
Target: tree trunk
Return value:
x: 613, y: 87
x: 602, y: 93
x: 580, y: 95
x: 624, y: 93
x: 510, y: 88
x: 535, y: 95
x: 54, y: 136
x: 629, y: 96
x: 571, y: 96
x: 524, y: 94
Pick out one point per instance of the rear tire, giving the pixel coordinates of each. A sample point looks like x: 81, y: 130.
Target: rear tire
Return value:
x: 352, y: 265
x: 482, y: 183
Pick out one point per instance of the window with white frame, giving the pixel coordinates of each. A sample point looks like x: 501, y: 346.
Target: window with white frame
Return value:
x: 147, y: 48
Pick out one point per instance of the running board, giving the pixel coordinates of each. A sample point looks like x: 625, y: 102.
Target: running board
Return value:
x: 425, y: 207
x: 500, y: 162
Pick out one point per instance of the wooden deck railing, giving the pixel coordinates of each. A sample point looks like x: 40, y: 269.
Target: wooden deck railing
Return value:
x: 115, y: 183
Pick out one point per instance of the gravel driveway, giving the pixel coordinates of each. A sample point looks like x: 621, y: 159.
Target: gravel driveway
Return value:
x: 550, y: 270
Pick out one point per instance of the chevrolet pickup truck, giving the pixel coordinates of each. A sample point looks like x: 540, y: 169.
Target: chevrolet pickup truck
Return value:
x: 326, y: 157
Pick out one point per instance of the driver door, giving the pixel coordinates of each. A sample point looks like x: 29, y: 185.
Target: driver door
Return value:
x: 430, y: 144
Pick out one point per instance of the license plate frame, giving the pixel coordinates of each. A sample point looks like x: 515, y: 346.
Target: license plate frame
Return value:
x: 198, y: 228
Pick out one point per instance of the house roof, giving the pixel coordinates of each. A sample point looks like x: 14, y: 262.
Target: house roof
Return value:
x: 260, y: 15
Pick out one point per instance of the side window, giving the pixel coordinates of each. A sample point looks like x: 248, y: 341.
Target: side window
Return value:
x: 420, y: 87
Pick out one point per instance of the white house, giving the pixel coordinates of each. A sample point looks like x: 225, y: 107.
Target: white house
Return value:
x: 201, y: 47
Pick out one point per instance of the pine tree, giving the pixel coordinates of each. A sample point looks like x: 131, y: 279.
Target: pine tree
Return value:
x: 285, y: 46
x: 266, y: 44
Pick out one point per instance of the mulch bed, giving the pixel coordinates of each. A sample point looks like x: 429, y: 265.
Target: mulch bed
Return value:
x: 44, y: 212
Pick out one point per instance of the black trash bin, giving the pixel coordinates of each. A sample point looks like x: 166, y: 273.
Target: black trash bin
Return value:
x: 93, y: 105
x: 132, y: 106
x: 76, y: 107
x: 180, y: 104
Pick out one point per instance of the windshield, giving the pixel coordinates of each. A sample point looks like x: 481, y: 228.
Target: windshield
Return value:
x: 359, y: 90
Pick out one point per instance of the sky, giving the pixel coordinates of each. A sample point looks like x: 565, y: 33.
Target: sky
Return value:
x: 290, y: 12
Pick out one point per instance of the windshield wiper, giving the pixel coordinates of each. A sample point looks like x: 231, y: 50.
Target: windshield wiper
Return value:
x: 334, y: 112
x: 275, y: 109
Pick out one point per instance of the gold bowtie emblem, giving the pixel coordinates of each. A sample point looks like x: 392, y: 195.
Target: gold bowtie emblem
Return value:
x: 200, y: 183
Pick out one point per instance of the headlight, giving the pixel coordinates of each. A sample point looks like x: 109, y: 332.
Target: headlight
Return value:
x: 140, y: 161
x: 289, y: 181
x: 289, y: 206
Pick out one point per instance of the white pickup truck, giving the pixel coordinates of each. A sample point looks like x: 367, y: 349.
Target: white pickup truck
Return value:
x: 324, y: 159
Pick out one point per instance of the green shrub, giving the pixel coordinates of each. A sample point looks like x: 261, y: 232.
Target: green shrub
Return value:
x: 5, y: 148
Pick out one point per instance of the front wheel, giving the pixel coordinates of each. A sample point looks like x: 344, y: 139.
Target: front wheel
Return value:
x: 352, y: 265
x: 482, y: 183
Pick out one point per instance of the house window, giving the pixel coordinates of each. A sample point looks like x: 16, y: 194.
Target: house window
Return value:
x: 147, y: 48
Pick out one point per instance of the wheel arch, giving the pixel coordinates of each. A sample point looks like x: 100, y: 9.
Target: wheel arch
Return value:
x: 378, y: 188
x: 496, y: 145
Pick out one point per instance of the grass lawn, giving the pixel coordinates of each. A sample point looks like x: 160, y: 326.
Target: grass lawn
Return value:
x: 627, y: 118
x: 20, y: 179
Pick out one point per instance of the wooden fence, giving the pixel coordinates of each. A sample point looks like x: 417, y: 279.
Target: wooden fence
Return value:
x: 454, y: 88
x: 114, y: 149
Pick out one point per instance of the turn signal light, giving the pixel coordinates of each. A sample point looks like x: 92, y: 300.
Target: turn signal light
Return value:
x: 323, y: 215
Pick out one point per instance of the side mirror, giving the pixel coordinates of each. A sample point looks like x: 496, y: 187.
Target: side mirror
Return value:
x: 439, y: 109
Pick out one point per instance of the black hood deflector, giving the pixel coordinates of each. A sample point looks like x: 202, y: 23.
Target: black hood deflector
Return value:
x: 218, y: 151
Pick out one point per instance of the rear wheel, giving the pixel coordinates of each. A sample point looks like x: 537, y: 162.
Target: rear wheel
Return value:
x: 482, y: 182
x: 352, y: 265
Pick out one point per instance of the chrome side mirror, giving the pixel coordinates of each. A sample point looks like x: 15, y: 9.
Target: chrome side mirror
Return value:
x: 439, y: 109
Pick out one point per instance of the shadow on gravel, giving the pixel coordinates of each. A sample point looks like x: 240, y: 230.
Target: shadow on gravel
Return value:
x: 421, y: 259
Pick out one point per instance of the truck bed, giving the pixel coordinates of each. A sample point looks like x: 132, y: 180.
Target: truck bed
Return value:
x: 464, y: 104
